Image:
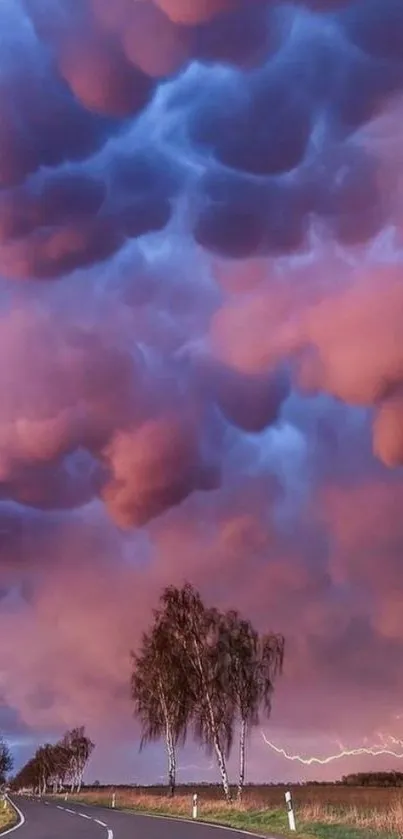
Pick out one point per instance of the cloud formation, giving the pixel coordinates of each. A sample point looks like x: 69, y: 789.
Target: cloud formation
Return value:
x: 201, y: 369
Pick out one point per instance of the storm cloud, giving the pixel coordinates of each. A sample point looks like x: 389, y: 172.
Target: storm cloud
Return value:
x: 201, y: 363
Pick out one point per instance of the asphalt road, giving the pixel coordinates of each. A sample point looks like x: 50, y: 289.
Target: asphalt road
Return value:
x: 48, y: 819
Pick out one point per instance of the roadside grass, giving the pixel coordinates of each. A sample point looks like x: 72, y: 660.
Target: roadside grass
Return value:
x: 8, y: 817
x: 315, y: 819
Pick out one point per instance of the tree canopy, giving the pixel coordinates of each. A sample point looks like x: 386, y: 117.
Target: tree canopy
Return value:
x: 202, y: 670
x: 6, y: 760
x: 56, y: 764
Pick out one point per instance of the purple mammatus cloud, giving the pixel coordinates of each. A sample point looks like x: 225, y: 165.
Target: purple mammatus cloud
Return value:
x: 200, y: 350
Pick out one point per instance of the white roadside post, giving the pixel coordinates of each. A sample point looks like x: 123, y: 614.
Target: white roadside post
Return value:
x: 65, y: 796
x: 290, y: 811
x: 113, y: 800
x: 194, y: 809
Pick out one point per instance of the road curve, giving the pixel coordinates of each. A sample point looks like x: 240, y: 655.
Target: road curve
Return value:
x: 45, y: 821
x: 48, y: 819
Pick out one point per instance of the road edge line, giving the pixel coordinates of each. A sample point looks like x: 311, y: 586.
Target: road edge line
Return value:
x: 217, y: 825
x: 186, y: 820
x: 19, y: 814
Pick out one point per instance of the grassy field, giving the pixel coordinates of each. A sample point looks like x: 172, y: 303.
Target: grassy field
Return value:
x: 8, y: 817
x: 321, y: 812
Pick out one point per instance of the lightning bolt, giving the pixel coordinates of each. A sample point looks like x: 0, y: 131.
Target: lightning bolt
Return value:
x: 374, y: 751
x: 394, y: 741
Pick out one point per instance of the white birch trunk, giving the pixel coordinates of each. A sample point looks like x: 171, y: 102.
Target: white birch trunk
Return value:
x: 242, y: 747
x: 170, y: 745
x: 222, y: 766
x: 171, y: 764
x: 214, y: 732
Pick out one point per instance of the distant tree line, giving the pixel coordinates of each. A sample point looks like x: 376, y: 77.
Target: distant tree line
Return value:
x: 374, y: 779
x: 56, y: 764
x: 6, y: 760
x: 206, y: 671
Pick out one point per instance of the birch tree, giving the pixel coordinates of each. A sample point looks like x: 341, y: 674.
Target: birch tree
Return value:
x: 160, y: 696
x: 79, y: 749
x: 6, y: 760
x: 242, y: 680
x: 252, y: 664
x: 45, y: 764
x: 28, y: 776
x: 196, y: 633
x: 61, y: 765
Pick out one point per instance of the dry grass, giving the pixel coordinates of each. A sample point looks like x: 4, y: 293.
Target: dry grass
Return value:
x: 388, y: 819
x: 319, y: 810
x: 8, y: 817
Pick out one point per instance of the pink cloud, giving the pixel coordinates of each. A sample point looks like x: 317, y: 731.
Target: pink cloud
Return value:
x: 171, y: 412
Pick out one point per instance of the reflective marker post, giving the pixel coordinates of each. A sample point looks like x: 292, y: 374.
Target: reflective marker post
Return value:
x: 113, y: 799
x: 194, y: 810
x: 290, y: 811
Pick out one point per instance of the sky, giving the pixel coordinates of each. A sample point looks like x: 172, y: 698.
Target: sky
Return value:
x: 201, y: 361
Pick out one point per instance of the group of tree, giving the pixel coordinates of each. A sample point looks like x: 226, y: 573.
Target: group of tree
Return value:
x: 373, y: 779
x: 56, y: 764
x: 203, y: 671
x: 6, y: 760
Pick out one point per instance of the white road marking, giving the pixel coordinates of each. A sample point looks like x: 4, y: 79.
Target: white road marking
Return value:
x: 20, y: 815
x: 66, y: 810
x: 237, y: 830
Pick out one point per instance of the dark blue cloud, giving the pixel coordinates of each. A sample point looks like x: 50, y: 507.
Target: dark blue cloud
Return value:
x: 301, y: 82
x: 240, y: 139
